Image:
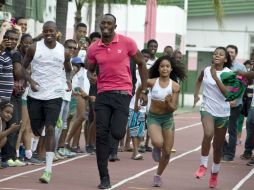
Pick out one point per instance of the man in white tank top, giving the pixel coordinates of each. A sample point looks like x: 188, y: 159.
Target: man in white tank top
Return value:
x: 47, y: 59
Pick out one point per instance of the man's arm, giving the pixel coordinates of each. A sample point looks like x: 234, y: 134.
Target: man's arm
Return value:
x: 25, y: 65
x: 67, y: 66
x: 139, y: 60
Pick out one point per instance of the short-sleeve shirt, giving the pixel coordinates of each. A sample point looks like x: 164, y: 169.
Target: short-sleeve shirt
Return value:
x: 114, y: 63
x: 6, y: 76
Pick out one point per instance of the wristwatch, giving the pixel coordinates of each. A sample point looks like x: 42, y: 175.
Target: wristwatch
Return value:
x: 145, y: 91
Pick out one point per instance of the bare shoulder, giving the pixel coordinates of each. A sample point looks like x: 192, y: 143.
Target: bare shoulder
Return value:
x: 151, y: 82
x: 175, y: 87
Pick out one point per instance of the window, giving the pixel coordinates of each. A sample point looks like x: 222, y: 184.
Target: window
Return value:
x: 251, y: 47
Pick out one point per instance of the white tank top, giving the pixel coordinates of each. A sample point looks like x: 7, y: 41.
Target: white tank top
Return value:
x: 47, y: 70
x: 213, y: 100
x: 159, y: 93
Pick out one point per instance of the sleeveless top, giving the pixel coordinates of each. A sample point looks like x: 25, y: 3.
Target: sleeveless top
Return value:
x: 47, y: 70
x: 158, y: 93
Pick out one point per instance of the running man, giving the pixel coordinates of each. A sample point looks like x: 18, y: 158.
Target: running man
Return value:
x: 48, y: 59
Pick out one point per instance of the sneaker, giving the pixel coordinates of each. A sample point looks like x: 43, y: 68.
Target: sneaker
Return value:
x: 33, y: 161
x: 90, y: 149
x: 246, y: 156
x: 11, y: 163
x: 105, y: 183
x: 66, y: 153
x: 76, y: 150
x: 156, y: 154
x: 173, y: 150
x: 213, y: 180
x: 4, y: 165
x: 142, y: 149
x: 46, y: 177
x: 148, y: 149
x: 55, y: 158
x: 59, y: 156
x: 227, y: 158
x: 19, y: 163
x: 157, y: 181
x: 250, y: 163
x: 201, y: 171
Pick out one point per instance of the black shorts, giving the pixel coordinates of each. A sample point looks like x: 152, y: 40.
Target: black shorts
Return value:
x: 93, y: 90
x: 43, y: 113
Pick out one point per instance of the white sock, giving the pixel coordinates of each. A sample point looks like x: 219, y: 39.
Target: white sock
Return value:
x: 32, y: 141
x: 34, y: 144
x: 17, y: 153
x: 215, y: 168
x: 49, y: 161
x: 28, y: 154
x: 204, y: 160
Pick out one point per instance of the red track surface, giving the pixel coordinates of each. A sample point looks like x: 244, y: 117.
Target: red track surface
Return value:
x: 81, y: 172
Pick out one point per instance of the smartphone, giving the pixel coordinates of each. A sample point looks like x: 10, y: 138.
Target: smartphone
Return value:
x: 82, y: 40
x: 6, y: 37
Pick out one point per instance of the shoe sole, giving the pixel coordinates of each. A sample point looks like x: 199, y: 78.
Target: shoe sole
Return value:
x: 43, y: 180
x: 227, y: 161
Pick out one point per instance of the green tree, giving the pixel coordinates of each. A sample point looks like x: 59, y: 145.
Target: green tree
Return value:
x: 61, y: 17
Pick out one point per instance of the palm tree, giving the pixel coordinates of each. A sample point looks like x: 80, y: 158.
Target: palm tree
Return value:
x: 99, y: 10
x: 218, y: 12
x: 61, y: 17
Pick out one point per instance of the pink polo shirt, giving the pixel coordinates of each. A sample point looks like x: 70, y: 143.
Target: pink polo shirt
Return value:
x: 114, y: 63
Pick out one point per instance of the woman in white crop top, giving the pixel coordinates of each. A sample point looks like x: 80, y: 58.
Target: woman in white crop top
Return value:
x: 215, y: 112
x: 164, y: 100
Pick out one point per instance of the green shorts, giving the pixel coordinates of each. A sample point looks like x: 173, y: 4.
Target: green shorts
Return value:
x: 219, y: 122
x: 165, y: 121
x: 73, y: 105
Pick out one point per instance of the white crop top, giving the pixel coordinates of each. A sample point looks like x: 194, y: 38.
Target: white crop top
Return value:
x: 159, y: 93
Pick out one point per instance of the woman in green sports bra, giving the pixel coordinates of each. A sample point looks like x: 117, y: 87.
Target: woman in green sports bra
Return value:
x: 165, y: 89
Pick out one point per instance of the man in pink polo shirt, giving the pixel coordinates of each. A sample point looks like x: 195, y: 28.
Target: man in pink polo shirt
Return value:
x: 112, y: 54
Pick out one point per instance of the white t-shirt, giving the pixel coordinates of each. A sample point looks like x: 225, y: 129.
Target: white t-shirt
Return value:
x: 133, y: 99
x: 83, y: 81
x: 47, y: 69
x: 213, y: 100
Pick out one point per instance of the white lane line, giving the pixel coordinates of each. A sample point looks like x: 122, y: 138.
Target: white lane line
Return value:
x: 243, y: 180
x: 188, y: 126
x: 153, y: 168
x: 6, y: 188
x: 41, y: 168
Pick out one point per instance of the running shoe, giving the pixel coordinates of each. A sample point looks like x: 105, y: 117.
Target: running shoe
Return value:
x: 19, y: 163
x: 213, y: 180
x: 33, y: 161
x: 156, y: 154
x: 46, y: 177
x: 251, y: 163
x: 201, y: 171
x: 11, y: 163
x: 157, y: 181
x: 246, y: 156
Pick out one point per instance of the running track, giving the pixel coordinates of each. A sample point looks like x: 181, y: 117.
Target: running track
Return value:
x: 81, y: 173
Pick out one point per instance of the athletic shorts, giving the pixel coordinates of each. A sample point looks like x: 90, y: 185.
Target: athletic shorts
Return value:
x: 219, y: 122
x: 43, y: 113
x: 165, y: 121
x: 136, y: 123
x: 73, y: 105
